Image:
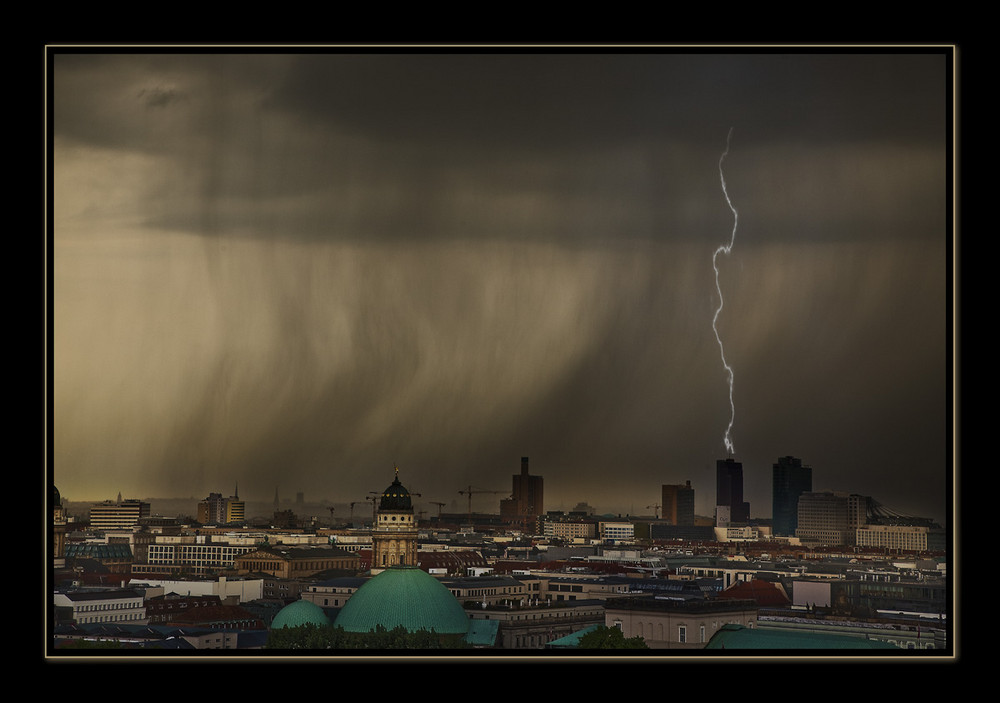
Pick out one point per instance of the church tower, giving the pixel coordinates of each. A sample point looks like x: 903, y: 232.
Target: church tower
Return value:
x: 394, y: 536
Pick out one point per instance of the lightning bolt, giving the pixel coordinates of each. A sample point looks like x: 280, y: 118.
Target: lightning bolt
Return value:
x: 725, y: 248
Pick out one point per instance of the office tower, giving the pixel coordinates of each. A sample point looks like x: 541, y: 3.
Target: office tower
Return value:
x: 527, y: 492
x: 121, y: 515
x: 678, y: 504
x: 789, y: 480
x: 729, y: 504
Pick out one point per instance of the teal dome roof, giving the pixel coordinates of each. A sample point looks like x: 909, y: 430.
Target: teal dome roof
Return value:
x: 407, y: 596
x: 299, y: 613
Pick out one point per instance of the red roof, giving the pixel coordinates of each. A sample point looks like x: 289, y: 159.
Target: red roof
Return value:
x: 765, y: 593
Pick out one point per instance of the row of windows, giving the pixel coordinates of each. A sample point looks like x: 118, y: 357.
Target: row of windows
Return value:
x: 110, y: 618
x: 198, y: 549
x: 107, y: 606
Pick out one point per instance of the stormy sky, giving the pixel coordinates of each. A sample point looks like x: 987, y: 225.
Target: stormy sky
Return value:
x: 296, y: 270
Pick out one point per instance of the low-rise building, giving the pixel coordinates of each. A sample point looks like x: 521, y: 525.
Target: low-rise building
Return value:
x: 905, y: 538
x: 533, y: 627
x: 295, y: 562
x: 616, y: 531
x: 226, y: 589
x: 114, y: 605
x: 161, y: 609
x: 668, y: 623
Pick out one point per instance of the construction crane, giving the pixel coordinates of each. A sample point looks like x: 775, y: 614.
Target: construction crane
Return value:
x: 470, y: 491
x: 440, y: 507
x: 656, y: 510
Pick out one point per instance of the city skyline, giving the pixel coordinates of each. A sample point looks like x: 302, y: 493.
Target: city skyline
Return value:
x: 306, y: 268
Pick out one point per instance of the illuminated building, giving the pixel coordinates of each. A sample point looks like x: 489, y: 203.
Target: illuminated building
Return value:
x: 217, y: 510
x: 394, y: 536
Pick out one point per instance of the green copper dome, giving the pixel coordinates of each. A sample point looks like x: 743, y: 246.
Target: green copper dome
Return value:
x: 299, y: 613
x: 407, y: 596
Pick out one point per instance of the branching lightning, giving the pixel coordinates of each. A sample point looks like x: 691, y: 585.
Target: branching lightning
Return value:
x: 725, y: 249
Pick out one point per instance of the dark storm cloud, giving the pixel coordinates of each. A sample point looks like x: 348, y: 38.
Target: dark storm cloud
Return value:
x: 578, y: 146
x: 305, y: 268
x: 556, y: 101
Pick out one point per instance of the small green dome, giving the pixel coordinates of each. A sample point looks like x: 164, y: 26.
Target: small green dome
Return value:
x: 299, y: 613
x: 407, y: 596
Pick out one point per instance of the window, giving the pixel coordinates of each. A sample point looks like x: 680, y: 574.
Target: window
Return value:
x: 682, y: 634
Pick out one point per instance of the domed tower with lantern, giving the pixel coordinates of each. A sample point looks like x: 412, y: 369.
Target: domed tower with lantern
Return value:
x: 394, y: 536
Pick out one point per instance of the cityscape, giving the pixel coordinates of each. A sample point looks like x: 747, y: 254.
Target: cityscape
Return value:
x: 830, y: 571
x: 507, y: 352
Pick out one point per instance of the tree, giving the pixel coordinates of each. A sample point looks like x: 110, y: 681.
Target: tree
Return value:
x: 309, y: 636
x: 610, y: 638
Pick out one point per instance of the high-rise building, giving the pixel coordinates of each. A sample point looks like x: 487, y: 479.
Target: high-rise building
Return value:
x: 678, y: 504
x: 218, y: 510
x: 526, y: 499
x: 789, y: 480
x: 729, y: 504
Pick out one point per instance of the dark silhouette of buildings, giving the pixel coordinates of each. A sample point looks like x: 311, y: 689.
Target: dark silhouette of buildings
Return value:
x: 526, y: 502
x: 678, y: 504
x: 789, y: 480
x: 729, y: 504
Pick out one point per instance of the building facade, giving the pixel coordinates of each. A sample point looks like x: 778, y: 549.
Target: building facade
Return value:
x: 527, y: 498
x: 789, y: 480
x: 394, y: 536
x: 190, y: 554
x: 120, y: 515
x: 536, y: 626
x: 295, y: 562
x: 830, y: 518
x: 678, y: 504
x: 906, y: 538
x: 616, y: 531
x: 676, y: 624
x: 218, y: 510
x: 122, y: 606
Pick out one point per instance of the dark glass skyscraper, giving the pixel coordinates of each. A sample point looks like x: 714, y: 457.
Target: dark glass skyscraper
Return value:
x: 729, y: 504
x: 789, y: 480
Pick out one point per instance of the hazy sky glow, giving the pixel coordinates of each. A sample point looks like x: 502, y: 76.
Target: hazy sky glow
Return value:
x: 299, y: 269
